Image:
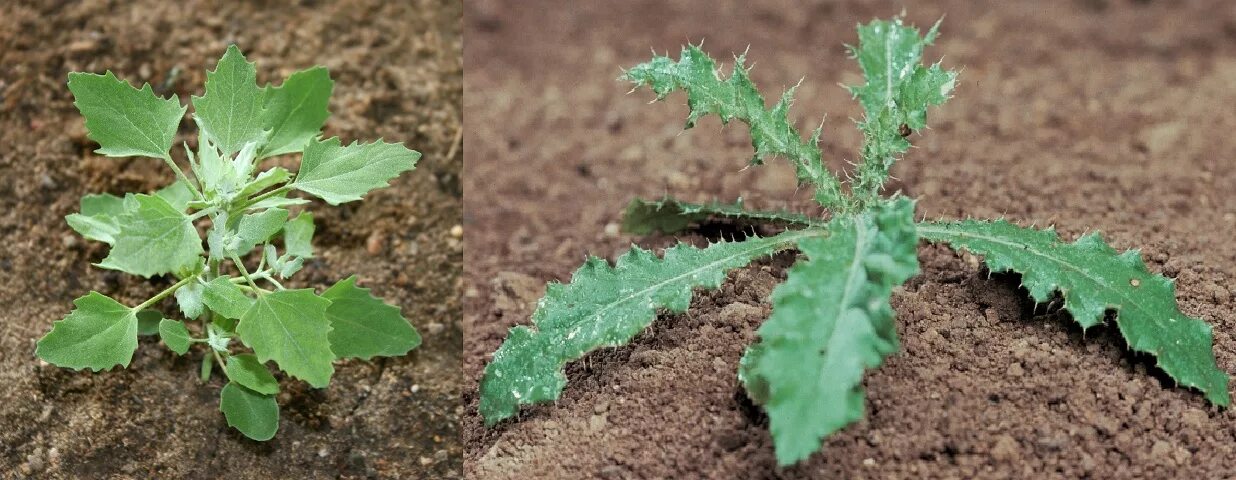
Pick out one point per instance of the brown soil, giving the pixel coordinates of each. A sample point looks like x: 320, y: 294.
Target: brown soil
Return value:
x: 1098, y: 114
x: 398, y: 73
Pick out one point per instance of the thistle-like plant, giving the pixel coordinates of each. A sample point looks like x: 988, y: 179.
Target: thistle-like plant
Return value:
x: 240, y: 207
x: 831, y: 317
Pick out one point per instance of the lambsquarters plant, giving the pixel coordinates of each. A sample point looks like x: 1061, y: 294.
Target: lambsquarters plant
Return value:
x: 228, y: 304
x: 831, y: 318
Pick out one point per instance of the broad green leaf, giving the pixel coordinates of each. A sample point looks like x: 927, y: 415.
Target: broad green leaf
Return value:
x: 603, y: 306
x: 230, y: 113
x: 772, y: 131
x: 259, y: 227
x: 363, y: 326
x: 339, y: 174
x: 99, y: 334
x: 225, y: 298
x: 178, y: 195
x: 102, y: 204
x: 148, y: 322
x: 175, y: 336
x: 101, y: 227
x: 189, y: 297
x: 253, y: 414
x: 669, y: 216
x: 246, y: 370
x: 264, y: 180
x: 831, y: 321
x: 154, y: 238
x: 291, y: 328
x: 296, y: 110
x: 298, y: 236
x: 897, y: 92
x: 1093, y: 279
x: 124, y: 120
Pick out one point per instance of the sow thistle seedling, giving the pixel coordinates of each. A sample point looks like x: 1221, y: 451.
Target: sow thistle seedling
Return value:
x: 831, y: 317
x: 227, y: 304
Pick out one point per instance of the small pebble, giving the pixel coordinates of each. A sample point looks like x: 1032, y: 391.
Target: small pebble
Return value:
x: 457, y: 231
x: 434, y: 328
x: 868, y: 462
x: 611, y: 229
x: 376, y: 243
x: 416, y: 387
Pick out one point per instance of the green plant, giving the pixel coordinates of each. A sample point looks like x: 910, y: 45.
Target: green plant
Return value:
x: 831, y: 317
x: 242, y: 208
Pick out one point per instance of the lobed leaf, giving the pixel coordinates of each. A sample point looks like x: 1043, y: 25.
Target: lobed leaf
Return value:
x: 124, y: 120
x: 772, y: 132
x: 606, y: 305
x: 291, y: 328
x: 153, y: 238
x: 99, y: 334
x: 1093, y: 278
x: 296, y: 111
x: 339, y: 174
x: 669, y: 216
x: 253, y: 414
x: 897, y: 92
x: 363, y: 326
x: 230, y: 113
x: 831, y: 321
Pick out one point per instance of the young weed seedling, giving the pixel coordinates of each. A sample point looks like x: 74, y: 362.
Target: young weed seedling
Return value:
x: 831, y: 317
x: 241, y: 208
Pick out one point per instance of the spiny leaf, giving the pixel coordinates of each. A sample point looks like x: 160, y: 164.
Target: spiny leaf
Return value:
x: 831, y: 320
x: 246, y: 370
x: 339, y: 174
x: 154, y: 238
x: 1093, y: 279
x: 668, y: 215
x: 291, y: 328
x: 230, y: 112
x: 174, y: 335
x: 296, y: 110
x: 124, y: 120
x: 298, y: 235
x: 898, y: 91
x: 99, y: 334
x: 772, y: 132
x: 602, y: 306
x: 363, y: 326
x: 253, y: 414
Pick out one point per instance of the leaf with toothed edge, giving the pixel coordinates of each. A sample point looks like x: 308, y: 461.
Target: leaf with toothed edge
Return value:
x: 607, y: 305
x: 772, y: 132
x: 669, y: 216
x: 1093, y: 278
x: 831, y: 321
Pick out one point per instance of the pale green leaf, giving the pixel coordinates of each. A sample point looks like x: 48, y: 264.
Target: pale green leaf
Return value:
x: 178, y: 195
x: 225, y: 298
x: 1093, y: 279
x: 291, y: 328
x: 154, y: 238
x: 99, y: 334
x: 298, y: 236
x: 669, y: 216
x: 339, y: 174
x: 277, y: 201
x: 253, y: 414
x: 296, y: 110
x: 175, y: 336
x: 602, y: 306
x: 258, y: 228
x: 246, y: 370
x: 102, y: 204
x: 230, y: 113
x: 363, y: 326
x: 101, y: 227
x: 772, y: 131
x: 124, y: 120
x: 897, y: 92
x: 189, y: 297
x: 264, y: 180
x: 206, y: 366
x: 831, y: 320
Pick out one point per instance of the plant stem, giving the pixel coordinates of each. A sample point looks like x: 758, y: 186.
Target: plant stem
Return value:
x: 181, y: 175
x: 163, y: 294
x: 245, y: 273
